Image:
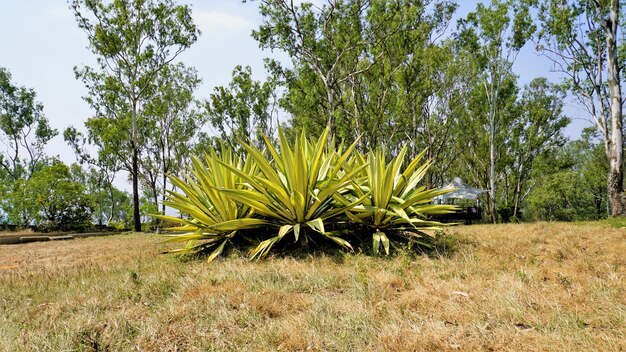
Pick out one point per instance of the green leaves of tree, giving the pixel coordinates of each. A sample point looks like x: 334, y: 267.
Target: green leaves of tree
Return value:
x: 23, y: 129
x: 134, y: 42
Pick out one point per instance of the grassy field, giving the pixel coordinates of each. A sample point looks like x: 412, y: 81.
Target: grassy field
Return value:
x: 17, y: 233
x: 531, y: 287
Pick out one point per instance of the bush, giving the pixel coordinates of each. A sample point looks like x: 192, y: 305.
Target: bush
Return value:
x: 308, y: 192
x: 215, y: 218
x: 390, y: 202
x: 15, y: 204
x: 56, y: 202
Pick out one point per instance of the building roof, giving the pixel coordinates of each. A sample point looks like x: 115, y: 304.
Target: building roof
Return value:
x: 461, y: 190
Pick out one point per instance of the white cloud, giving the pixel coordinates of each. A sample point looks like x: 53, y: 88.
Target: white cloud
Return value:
x: 216, y: 22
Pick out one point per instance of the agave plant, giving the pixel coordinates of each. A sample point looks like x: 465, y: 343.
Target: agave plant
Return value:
x: 215, y: 218
x: 295, y: 191
x: 392, y: 203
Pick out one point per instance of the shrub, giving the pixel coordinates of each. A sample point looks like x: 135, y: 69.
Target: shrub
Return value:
x: 302, y: 191
x: 215, y: 217
x: 56, y: 201
x: 295, y: 191
x: 392, y: 204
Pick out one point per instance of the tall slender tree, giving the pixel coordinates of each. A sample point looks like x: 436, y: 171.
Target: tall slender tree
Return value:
x: 133, y: 41
x: 24, y: 129
x: 173, y: 121
x: 537, y: 129
x: 584, y: 38
x: 496, y: 33
x: 243, y: 109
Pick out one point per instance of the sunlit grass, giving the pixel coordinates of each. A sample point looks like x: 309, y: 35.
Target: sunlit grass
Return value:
x: 516, y: 287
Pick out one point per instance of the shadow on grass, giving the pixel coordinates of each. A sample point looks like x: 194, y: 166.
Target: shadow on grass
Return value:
x: 441, y: 245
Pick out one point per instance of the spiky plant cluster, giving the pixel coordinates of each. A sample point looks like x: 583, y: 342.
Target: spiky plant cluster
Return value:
x: 307, y: 192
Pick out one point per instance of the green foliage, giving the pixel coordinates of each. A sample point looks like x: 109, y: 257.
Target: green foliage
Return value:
x: 616, y: 222
x: 295, y: 192
x: 215, y: 217
x: 392, y: 204
x: 56, y: 201
x: 245, y: 109
x: 134, y: 42
x: 569, y: 185
x: 14, y: 203
x: 24, y: 130
x: 110, y: 205
x: 309, y: 188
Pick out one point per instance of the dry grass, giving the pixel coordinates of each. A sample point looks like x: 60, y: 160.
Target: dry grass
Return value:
x: 22, y: 232
x: 533, y: 287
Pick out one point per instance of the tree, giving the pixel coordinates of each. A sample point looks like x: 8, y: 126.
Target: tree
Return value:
x: 537, y: 129
x: 101, y: 173
x: 133, y: 40
x: 472, y: 140
x: 496, y: 34
x: 243, y: 109
x: 412, y: 90
x: 327, y: 48
x: 568, y: 184
x: 173, y: 124
x: 109, y: 205
x: 56, y: 200
x: 583, y: 39
x: 432, y: 83
x: 23, y: 129
x: 14, y: 204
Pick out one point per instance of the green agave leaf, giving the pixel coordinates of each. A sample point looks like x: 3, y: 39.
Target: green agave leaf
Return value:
x: 340, y: 241
x: 263, y: 248
x: 284, y: 230
x: 239, y: 224
x: 317, y: 225
x: 376, y: 238
x: 188, y: 237
x: 385, y: 241
x: 435, y: 209
x: 356, y: 218
x: 187, y: 224
x: 216, y: 252
x: 296, y: 231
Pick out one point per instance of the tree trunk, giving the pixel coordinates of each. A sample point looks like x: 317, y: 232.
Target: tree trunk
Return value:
x: 492, y: 168
x: 112, y: 197
x: 135, y: 172
x: 615, y: 150
x: 163, y: 196
x: 331, y: 112
x: 136, y: 214
x: 100, y: 203
x: 518, y: 190
x: 155, y: 194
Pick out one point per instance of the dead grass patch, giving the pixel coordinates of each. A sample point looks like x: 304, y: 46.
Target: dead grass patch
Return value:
x: 23, y: 232
x: 528, y: 287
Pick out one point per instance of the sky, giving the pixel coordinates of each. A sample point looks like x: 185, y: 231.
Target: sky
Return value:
x: 40, y: 43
